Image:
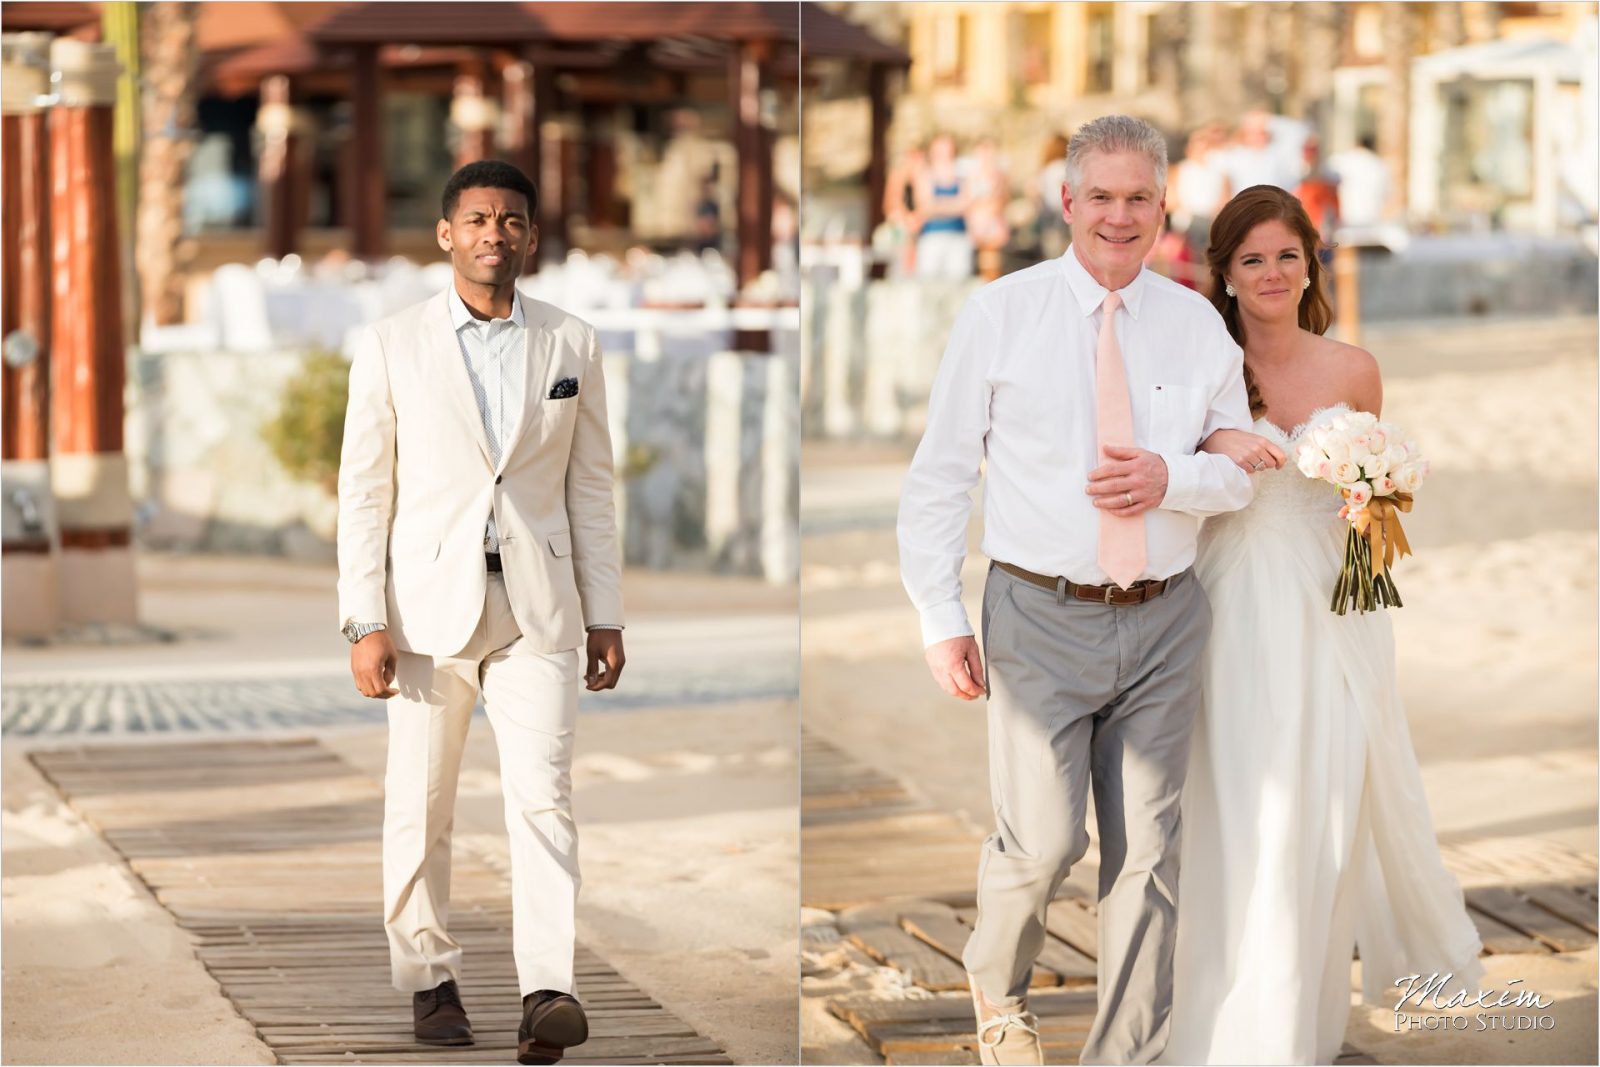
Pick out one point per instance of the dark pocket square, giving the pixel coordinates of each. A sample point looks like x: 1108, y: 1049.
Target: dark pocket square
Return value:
x: 564, y: 388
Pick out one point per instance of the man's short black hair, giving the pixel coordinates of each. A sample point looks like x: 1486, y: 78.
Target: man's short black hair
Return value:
x: 489, y: 174
x: 1367, y: 141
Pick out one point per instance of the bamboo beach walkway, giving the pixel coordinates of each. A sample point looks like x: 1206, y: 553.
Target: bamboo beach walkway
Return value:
x: 907, y: 903
x: 267, y: 852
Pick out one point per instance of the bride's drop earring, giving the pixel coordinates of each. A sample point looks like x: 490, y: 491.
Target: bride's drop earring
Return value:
x: 1230, y: 290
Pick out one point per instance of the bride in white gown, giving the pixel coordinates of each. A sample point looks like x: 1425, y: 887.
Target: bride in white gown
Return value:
x: 1306, y: 830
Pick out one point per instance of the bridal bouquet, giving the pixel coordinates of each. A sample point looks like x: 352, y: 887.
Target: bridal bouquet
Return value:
x: 1377, y: 472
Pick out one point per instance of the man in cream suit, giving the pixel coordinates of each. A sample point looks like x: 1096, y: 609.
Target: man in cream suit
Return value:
x: 1082, y: 386
x: 477, y: 552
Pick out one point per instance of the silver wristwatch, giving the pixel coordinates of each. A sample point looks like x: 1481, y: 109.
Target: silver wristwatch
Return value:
x: 354, y: 631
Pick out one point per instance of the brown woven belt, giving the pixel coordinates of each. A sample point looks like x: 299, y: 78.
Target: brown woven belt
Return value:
x: 1138, y: 593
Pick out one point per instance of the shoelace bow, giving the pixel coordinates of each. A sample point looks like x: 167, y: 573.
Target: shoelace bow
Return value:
x: 1022, y: 1021
x: 447, y: 994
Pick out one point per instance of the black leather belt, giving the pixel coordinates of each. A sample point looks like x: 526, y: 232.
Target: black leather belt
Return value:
x: 493, y: 560
x: 1137, y: 593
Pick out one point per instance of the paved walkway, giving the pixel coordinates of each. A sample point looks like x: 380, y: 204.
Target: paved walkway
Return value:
x: 250, y: 647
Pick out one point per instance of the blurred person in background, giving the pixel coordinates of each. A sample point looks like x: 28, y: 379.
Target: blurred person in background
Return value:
x: 1199, y: 187
x: 708, y: 216
x: 1255, y: 157
x: 901, y: 222
x: 1364, y: 183
x: 1052, y: 175
x: 1318, y: 193
x: 944, y: 247
x: 1172, y: 258
x: 990, y: 190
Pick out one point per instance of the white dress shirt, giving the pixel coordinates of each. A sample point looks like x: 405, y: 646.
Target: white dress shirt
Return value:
x: 1016, y: 392
x: 496, y: 354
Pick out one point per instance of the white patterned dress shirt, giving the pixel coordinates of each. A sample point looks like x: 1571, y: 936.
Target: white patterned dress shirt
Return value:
x: 1015, y: 397
x: 496, y: 354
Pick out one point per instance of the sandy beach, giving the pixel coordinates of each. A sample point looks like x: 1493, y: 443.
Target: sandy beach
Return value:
x: 1495, y: 648
x: 686, y: 813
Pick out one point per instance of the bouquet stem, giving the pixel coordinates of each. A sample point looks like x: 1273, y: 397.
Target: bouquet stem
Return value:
x: 1357, y: 586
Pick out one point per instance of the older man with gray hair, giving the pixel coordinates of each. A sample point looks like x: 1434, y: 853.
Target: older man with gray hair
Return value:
x: 1083, y: 385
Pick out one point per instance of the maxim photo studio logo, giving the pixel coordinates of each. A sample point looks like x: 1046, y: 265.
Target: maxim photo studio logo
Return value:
x: 1498, y: 1009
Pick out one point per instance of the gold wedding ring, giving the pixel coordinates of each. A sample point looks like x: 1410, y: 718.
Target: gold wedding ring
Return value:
x: 1129, y: 498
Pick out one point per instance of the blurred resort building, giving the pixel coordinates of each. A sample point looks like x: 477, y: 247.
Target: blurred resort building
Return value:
x: 1446, y: 150
x: 240, y: 187
x: 1483, y: 111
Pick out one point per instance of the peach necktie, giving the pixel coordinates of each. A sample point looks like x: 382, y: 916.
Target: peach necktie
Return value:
x: 1122, y: 542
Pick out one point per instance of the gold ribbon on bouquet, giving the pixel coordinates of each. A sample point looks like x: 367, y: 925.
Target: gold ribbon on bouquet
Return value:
x: 1379, y: 523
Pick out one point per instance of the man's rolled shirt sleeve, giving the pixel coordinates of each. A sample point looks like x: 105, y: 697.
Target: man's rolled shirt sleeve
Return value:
x: 935, y: 501
x: 1200, y: 483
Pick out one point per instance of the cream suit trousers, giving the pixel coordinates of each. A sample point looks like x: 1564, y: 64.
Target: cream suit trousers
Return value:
x: 532, y: 701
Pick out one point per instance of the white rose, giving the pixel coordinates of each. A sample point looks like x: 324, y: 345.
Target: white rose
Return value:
x: 1338, y: 451
x: 1394, y: 455
x: 1374, y: 466
x: 1384, y: 486
x: 1360, y: 447
x: 1346, y: 471
x: 1408, y: 478
x: 1308, y: 459
x: 1379, y: 438
x: 1360, y: 494
x: 1324, y: 436
x: 1361, y: 420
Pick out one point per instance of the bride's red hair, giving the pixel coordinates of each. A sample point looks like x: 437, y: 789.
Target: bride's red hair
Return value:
x: 1252, y: 207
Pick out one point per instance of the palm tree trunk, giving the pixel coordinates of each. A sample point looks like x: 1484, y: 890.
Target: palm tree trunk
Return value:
x: 171, y: 62
x: 1394, y: 129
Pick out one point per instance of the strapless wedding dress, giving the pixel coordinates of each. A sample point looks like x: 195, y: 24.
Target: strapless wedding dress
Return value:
x: 1305, y: 825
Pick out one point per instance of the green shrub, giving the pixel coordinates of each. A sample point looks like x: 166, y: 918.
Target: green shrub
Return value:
x: 308, y: 432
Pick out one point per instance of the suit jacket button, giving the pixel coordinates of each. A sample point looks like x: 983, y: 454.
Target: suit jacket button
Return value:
x: 497, y: 479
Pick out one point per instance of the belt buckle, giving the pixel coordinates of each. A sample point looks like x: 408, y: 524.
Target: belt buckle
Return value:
x: 1109, y: 588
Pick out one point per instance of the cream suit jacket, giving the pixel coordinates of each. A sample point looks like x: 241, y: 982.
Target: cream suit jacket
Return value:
x: 416, y: 486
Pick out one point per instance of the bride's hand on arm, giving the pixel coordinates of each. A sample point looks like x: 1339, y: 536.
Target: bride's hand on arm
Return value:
x: 1252, y: 452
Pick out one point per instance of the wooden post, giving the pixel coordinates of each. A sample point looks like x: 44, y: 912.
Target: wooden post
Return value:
x: 29, y: 584
x: 544, y: 99
x: 368, y: 189
x: 755, y: 161
x: 1347, y: 292
x: 601, y: 164
x: 280, y: 148
x: 474, y: 115
x: 878, y: 160
x: 528, y: 92
x: 24, y: 422
x: 88, y: 358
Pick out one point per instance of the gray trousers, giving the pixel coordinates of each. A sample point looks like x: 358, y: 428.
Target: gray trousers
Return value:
x: 1083, y: 693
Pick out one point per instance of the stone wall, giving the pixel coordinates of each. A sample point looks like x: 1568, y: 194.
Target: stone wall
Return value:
x: 706, y: 447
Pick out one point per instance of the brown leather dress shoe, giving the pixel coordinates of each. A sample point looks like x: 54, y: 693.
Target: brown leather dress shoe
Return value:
x: 551, y: 1023
x: 438, y: 1017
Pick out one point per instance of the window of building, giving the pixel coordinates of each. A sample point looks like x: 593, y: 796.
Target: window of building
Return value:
x: 1037, y: 55
x: 1101, y: 47
x: 950, y: 48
